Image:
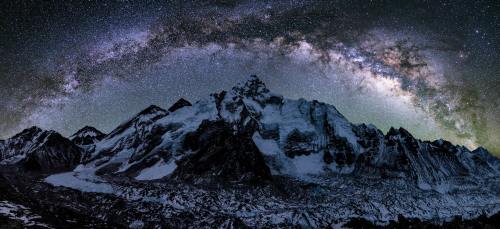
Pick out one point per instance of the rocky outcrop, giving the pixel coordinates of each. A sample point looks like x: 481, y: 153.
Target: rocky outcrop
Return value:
x: 56, y: 153
x: 219, y: 153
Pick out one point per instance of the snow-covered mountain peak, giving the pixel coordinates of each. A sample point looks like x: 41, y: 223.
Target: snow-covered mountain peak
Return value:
x: 145, y: 117
x: 40, y: 150
x: 152, y: 110
x: 87, y: 130
x: 179, y: 104
x: 253, y: 87
x: 28, y: 132
x: 130, y: 141
x: 87, y: 135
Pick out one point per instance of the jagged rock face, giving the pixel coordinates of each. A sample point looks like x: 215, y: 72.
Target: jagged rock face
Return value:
x: 57, y: 153
x: 378, y: 159
x: 22, y: 142
x: 481, y: 155
x: 221, y: 154
x: 37, y: 149
x: 179, y: 104
x: 87, y: 136
x: 432, y: 165
x: 299, y: 143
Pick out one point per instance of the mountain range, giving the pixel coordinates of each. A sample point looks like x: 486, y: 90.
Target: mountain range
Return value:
x: 246, y: 157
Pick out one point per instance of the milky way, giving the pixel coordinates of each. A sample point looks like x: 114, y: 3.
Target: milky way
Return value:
x: 432, y: 68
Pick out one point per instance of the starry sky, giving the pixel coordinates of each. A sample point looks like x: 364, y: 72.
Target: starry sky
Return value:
x: 431, y: 67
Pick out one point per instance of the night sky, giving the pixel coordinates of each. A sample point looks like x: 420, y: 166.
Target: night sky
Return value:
x: 432, y: 67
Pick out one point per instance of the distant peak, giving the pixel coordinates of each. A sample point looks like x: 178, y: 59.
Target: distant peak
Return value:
x: 29, y: 131
x: 87, y: 135
x: 480, y: 150
x: 179, y: 104
x: 33, y: 129
x: 252, y: 87
x: 400, y: 131
x: 442, y: 142
x: 152, y: 109
x: 88, y: 129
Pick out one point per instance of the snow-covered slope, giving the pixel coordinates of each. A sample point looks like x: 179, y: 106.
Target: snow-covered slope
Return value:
x: 40, y: 150
x: 129, y: 143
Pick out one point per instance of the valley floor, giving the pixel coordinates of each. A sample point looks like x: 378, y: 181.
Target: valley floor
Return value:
x: 33, y: 200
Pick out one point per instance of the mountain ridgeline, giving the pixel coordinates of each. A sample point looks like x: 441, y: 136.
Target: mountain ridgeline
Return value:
x: 249, y: 134
x: 282, y: 131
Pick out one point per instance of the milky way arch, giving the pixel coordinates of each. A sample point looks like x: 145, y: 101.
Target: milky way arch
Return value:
x: 359, y: 52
